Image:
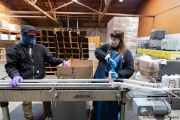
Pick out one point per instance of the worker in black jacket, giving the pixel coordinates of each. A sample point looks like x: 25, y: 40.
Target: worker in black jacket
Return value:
x: 26, y: 60
x: 115, y: 58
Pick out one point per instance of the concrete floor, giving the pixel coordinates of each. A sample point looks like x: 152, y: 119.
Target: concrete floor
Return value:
x: 16, y: 112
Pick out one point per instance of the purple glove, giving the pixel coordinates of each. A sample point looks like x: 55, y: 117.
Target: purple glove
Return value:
x: 65, y: 63
x: 112, y: 63
x: 14, y: 82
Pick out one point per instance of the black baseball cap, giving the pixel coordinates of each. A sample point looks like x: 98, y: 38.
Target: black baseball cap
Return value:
x: 29, y: 28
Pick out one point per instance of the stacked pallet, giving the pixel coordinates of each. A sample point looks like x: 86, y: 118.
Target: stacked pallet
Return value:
x: 67, y: 44
x: 47, y: 39
x: 2, y: 54
x: 71, y: 44
x: 84, y: 45
x: 75, y: 45
x: 84, y: 48
x: 60, y: 44
x: 7, y: 44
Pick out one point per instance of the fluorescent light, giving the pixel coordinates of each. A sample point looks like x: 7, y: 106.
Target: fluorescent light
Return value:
x: 120, y: 0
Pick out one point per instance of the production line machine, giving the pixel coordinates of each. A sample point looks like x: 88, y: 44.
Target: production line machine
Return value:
x: 145, y: 99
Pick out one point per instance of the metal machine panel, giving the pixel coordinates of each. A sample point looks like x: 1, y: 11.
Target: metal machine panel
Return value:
x: 69, y: 110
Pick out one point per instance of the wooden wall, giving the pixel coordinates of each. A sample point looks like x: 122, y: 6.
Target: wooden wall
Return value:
x: 167, y: 16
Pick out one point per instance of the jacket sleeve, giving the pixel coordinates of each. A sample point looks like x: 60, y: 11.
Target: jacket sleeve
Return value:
x: 11, y: 65
x: 50, y: 59
x: 101, y: 52
x: 128, y: 66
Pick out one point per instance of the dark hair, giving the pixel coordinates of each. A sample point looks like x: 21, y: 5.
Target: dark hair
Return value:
x: 120, y: 35
x: 117, y: 34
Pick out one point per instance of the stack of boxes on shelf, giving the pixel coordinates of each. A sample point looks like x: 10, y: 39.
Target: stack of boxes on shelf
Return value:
x: 5, y: 41
x: 47, y: 39
x: 8, y: 34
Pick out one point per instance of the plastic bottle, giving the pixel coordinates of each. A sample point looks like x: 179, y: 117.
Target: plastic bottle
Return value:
x: 138, y: 75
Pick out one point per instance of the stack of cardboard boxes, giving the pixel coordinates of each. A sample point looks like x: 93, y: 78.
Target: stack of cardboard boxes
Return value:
x: 130, y: 27
x: 146, y: 67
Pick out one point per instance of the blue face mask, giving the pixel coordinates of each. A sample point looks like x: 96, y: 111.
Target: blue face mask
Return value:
x: 28, y: 39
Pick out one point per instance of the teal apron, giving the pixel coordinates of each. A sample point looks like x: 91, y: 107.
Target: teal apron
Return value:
x: 107, y: 110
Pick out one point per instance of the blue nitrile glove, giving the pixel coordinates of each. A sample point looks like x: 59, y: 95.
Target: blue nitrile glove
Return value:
x: 14, y: 82
x: 112, y: 63
x: 114, y: 74
x: 65, y: 63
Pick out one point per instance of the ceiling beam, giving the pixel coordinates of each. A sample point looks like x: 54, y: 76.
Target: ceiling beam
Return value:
x: 87, y: 7
x: 74, y: 13
x: 105, y: 10
x: 61, y: 6
x: 127, y: 15
x: 42, y: 11
x: 35, y: 1
x: 100, y: 8
x: 51, y: 8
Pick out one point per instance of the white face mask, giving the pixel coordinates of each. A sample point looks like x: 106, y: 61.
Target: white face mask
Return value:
x: 114, y: 43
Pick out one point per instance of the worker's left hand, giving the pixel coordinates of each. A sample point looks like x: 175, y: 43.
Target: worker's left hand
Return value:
x: 65, y: 63
x: 114, y: 74
x: 112, y: 63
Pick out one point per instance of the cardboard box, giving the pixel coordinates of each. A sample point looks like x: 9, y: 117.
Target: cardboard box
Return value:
x: 152, y: 74
x: 77, y: 69
x: 149, y: 64
x: 95, y: 65
x: 136, y: 64
x: 148, y: 68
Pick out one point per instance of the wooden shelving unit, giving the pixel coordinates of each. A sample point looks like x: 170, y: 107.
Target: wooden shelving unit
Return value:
x: 71, y: 43
x: 48, y: 39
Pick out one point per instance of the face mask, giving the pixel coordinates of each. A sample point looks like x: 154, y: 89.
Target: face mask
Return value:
x: 114, y: 43
x: 28, y: 39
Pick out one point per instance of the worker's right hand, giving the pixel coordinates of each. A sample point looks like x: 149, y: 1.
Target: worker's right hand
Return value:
x: 14, y: 82
x: 107, y: 57
x: 112, y: 63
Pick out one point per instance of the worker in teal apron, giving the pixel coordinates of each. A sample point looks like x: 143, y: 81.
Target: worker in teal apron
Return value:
x: 114, y: 57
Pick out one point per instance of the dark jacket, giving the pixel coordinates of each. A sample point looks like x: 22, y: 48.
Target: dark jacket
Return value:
x: 128, y: 63
x: 19, y: 61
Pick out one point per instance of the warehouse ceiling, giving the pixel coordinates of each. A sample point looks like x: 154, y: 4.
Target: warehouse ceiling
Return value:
x: 71, y: 13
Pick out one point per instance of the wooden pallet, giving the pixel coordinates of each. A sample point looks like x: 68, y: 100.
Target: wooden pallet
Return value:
x: 2, y: 51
